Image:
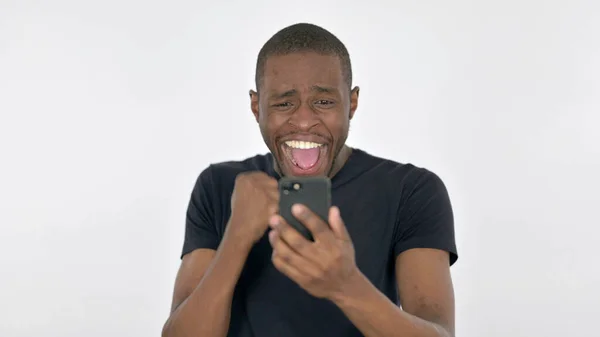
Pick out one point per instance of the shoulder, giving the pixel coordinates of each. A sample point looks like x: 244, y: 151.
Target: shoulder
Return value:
x: 215, y: 183
x: 423, y: 211
x: 396, y: 174
x: 405, y: 186
x: 220, y: 176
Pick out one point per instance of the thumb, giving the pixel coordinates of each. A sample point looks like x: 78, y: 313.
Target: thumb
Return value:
x: 337, y: 224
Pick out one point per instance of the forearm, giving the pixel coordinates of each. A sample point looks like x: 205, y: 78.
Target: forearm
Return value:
x: 206, y: 312
x: 376, y: 316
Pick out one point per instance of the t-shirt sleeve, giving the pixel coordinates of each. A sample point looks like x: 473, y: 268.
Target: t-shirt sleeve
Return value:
x: 200, y: 225
x: 425, y: 217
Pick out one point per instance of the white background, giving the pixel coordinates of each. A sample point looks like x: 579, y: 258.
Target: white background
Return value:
x: 110, y: 110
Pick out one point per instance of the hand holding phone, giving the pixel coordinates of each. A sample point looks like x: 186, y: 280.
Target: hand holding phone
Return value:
x: 312, y: 192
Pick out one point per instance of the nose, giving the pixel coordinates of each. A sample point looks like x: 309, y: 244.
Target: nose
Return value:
x: 304, y: 118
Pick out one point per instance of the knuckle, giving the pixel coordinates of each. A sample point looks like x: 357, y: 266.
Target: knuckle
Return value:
x: 276, y: 259
x: 284, y: 258
x: 248, y: 176
x: 297, y: 244
x: 320, y: 275
x: 259, y: 175
x: 275, y: 195
x: 241, y: 179
x: 273, y: 208
x: 242, y: 175
x: 337, y: 256
x: 276, y: 262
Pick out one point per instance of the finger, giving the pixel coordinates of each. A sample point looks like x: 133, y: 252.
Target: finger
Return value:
x: 271, y: 190
x: 271, y: 183
x: 292, y: 237
x: 288, y: 270
x: 317, y: 226
x: 337, y: 224
x: 273, y: 207
x: 274, y: 195
x: 283, y: 252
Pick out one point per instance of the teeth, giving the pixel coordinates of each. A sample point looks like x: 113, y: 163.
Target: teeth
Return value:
x: 298, y: 144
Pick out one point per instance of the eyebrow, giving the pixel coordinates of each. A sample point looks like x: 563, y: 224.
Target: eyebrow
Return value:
x: 324, y: 90
x: 285, y: 94
x: 292, y: 92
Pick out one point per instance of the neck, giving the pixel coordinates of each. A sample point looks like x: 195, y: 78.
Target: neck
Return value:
x: 340, y: 160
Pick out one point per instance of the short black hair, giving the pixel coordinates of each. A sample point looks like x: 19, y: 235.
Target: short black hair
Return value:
x: 303, y: 37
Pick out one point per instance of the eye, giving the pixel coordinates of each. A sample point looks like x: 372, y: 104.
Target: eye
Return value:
x: 324, y: 102
x: 282, y: 105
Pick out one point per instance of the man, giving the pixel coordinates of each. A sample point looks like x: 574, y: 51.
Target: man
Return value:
x: 380, y: 267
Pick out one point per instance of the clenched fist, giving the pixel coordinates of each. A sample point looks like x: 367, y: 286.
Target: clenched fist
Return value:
x: 255, y: 199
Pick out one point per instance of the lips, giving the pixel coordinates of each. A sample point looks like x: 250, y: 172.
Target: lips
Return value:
x: 303, y: 157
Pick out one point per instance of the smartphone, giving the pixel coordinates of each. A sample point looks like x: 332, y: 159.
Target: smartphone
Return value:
x: 312, y: 192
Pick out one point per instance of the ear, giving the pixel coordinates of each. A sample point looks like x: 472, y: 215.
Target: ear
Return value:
x: 353, y: 101
x: 254, y: 103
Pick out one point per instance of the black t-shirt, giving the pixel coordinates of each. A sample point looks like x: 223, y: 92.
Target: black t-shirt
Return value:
x: 387, y: 207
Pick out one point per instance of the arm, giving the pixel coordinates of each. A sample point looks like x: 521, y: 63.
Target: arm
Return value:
x: 209, y: 269
x: 326, y: 268
x: 426, y: 293
x: 425, y: 248
x: 204, y: 291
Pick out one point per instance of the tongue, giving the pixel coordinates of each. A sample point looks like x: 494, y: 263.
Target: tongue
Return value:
x: 305, y: 158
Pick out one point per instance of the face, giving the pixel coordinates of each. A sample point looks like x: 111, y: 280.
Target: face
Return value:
x: 304, y: 108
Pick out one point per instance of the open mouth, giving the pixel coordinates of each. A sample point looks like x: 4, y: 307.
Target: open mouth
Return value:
x: 304, y: 157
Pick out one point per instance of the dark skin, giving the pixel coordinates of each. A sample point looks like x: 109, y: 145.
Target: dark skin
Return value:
x: 311, y: 97
x: 292, y: 100
x: 326, y: 268
x: 306, y: 94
